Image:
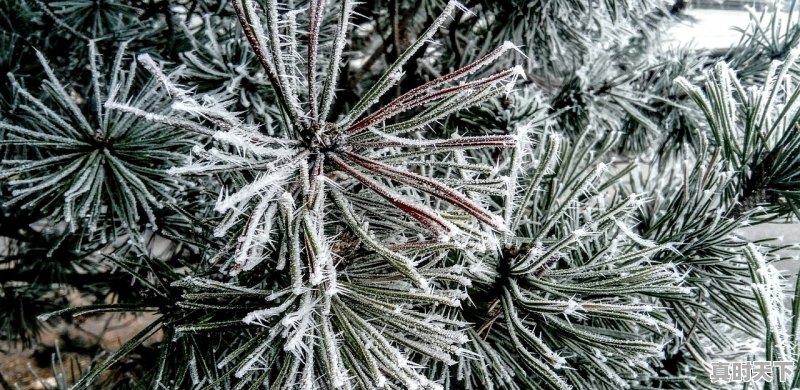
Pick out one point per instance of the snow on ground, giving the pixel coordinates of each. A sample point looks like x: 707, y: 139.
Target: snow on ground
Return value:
x: 710, y: 28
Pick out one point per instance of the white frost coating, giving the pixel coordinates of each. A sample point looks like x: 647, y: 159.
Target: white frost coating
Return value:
x: 769, y: 287
x: 267, y: 181
x: 332, y: 349
x: 259, y: 316
x: 206, y: 111
x: 257, y: 233
x: 397, y: 75
x: 518, y: 71
x: 297, y: 324
x: 287, y: 200
x: 688, y: 86
x: 253, y: 358
x: 244, y: 143
x: 572, y: 309
x: 633, y: 236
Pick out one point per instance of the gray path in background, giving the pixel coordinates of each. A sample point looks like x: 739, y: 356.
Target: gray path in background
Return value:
x: 790, y: 234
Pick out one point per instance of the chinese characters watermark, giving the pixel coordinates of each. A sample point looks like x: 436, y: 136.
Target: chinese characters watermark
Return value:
x: 755, y: 371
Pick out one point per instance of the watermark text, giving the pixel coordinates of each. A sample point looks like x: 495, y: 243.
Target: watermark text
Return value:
x: 753, y: 371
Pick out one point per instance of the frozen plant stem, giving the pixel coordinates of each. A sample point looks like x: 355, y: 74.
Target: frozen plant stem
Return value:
x: 331, y: 145
x: 290, y: 179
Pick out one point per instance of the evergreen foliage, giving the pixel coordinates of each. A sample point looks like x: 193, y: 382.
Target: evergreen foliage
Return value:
x: 406, y: 195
